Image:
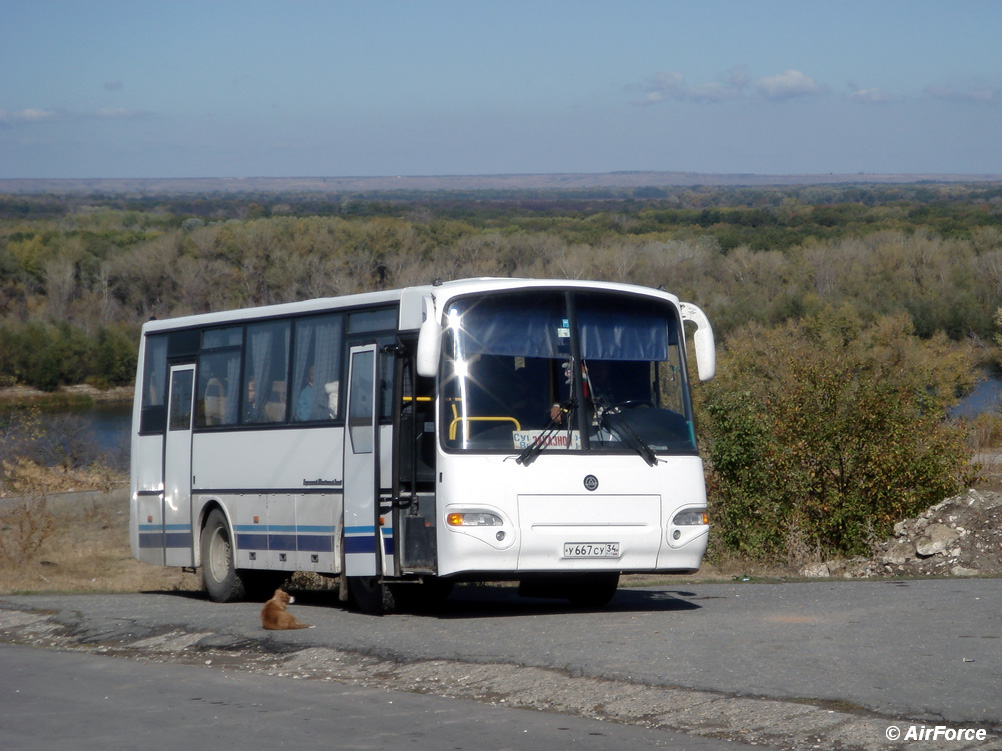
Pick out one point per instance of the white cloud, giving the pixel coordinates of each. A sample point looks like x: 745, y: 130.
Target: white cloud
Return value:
x: 979, y: 95
x: 667, y: 85
x: 33, y: 116
x: 671, y: 85
x: 789, y: 85
x: 30, y: 116
x: 713, y: 92
x: 871, y: 96
x: 117, y: 114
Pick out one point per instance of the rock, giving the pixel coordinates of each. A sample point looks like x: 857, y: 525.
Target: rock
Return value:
x: 935, y: 539
x: 960, y: 536
x: 816, y: 571
x: 963, y: 571
x: 899, y: 553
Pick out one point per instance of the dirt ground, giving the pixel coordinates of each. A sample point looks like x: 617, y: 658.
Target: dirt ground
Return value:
x: 79, y: 542
x: 27, y: 395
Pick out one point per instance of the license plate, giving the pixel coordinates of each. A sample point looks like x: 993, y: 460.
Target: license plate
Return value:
x: 591, y: 550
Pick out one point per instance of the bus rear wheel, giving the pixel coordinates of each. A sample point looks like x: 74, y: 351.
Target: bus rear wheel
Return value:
x: 219, y: 574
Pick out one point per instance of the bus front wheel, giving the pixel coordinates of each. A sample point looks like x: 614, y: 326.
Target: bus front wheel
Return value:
x: 593, y: 590
x: 219, y: 574
x: 369, y: 594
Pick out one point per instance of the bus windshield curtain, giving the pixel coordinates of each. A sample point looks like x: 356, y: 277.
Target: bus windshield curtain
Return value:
x: 521, y: 325
x: 623, y: 329
x: 610, y: 327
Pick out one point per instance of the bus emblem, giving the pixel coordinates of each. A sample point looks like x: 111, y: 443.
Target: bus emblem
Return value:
x: 591, y: 482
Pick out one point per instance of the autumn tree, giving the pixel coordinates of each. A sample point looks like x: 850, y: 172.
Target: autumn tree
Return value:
x: 824, y: 432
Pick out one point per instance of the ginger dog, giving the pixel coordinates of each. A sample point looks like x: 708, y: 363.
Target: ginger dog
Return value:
x: 275, y: 618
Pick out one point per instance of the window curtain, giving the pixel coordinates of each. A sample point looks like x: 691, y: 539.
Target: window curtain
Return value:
x: 318, y: 346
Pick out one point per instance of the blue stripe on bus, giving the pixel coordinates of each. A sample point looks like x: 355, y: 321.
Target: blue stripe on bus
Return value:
x: 368, y: 530
x: 258, y: 528
x: 317, y: 538
x: 178, y: 540
x: 163, y: 527
x: 316, y: 544
x: 287, y: 543
x: 158, y: 539
x: 253, y: 542
x: 147, y: 540
x: 360, y: 544
x: 367, y: 544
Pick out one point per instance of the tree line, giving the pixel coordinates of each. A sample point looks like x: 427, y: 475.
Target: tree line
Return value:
x: 850, y: 318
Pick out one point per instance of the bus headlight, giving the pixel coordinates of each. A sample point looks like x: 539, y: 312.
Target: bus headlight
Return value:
x: 474, y: 519
x: 690, y: 517
x: 484, y: 523
x: 687, y: 526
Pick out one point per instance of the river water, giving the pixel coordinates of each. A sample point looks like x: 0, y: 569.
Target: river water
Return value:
x: 104, y: 427
x: 984, y: 398
x: 97, y: 432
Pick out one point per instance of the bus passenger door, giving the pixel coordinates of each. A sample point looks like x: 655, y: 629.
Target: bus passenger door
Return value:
x: 361, y: 476
x: 177, y: 533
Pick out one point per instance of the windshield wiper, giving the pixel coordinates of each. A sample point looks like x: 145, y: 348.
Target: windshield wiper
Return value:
x: 612, y: 417
x: 530, y: 452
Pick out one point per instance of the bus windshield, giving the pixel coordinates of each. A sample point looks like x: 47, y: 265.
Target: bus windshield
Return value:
x: 568, y: 370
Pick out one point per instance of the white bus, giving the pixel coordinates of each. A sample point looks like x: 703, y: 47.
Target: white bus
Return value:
x: 485, y: 429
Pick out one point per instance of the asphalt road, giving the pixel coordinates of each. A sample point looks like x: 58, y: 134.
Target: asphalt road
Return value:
x: 53, y: 701
x: 783, y: 665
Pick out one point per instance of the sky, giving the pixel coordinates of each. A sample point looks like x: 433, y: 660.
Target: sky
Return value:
x: 151, y: 88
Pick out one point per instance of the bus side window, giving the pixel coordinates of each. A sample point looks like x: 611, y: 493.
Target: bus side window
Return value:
x: 316, y: 368
x: 218, y: 383
x: 266, y: 367
x: 417, y: 429
x: 214, y: 402
x: 153, y: 414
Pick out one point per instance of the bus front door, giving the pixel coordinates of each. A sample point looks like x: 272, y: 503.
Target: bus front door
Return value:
x: 361, y: 476
x: 176, y: 517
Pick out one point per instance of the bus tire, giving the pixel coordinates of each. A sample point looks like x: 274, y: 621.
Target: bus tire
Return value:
x: 261, y: 585
x: 593, y: 590
x: 368, y: 594
x: 421, y: 597
x: 219, y: 574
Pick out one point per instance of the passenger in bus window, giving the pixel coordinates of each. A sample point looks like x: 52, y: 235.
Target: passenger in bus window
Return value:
x: 250, y: 402
x: 304, y: 405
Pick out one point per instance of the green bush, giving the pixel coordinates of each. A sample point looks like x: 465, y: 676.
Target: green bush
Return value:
x: 824, y: 433
x: 46, y: 356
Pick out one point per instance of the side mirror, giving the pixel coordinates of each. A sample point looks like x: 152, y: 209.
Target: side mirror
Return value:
x: 706, y: 356
x: 429, y: 346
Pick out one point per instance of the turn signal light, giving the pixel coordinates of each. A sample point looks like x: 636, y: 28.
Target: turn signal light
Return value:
x: 476, y: 519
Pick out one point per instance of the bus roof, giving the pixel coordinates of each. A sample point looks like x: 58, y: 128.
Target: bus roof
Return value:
x: 411, y: 301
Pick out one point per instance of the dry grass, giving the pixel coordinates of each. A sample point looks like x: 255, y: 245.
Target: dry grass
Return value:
x: 85, y: 548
